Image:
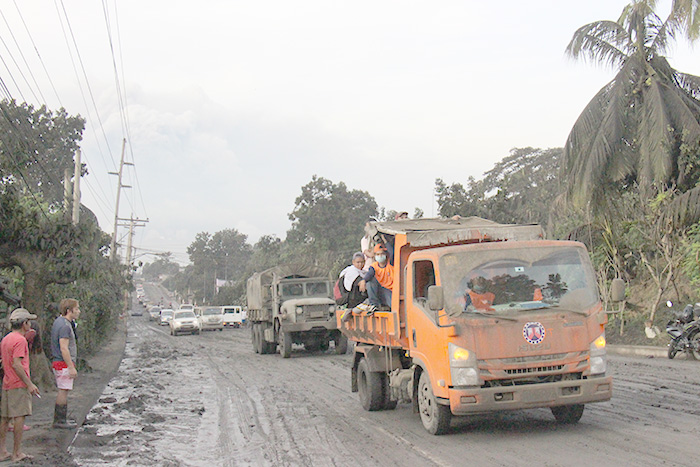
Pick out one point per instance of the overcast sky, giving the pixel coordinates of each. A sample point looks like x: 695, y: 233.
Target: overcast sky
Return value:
x: 232, y: 106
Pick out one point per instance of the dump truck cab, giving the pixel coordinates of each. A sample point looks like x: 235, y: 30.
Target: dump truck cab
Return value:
x: 484, y: 317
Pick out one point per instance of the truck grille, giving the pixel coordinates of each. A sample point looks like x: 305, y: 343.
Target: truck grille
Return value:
x: 539, y: 369
x: 316, y: 312
x: 532, y: 369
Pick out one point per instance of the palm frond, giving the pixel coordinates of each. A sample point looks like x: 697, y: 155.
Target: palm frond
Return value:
x: 685, y: 16
x: 684, y: 210
x: 654, y: 136
x: 601, y: 41
x: 689, y: 83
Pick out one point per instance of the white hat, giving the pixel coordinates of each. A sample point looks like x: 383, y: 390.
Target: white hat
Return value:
x: 20, y: 314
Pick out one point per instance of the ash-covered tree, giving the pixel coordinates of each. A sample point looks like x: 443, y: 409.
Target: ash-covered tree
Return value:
x: 519, y: 189
x: 329, y: 218
x: 163, y: 266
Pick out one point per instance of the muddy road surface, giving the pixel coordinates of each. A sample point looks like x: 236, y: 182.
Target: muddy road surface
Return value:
x: 210, y: 400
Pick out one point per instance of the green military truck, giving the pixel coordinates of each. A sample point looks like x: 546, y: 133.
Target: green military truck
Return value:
x: 292, y: 305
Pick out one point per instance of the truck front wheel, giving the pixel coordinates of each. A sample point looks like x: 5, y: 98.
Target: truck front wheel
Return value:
x: 435, y: 417
x: 285, y: 344
x: 568, y: 414
x: 369, y: 385
x: 341, y: 345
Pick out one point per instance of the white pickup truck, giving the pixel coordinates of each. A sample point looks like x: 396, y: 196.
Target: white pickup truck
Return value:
x: 234, y: 316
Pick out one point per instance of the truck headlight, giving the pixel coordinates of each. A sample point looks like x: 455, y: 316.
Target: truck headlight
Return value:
x: 598, y: 355
x: 463, y: 368
x: 300, y: 310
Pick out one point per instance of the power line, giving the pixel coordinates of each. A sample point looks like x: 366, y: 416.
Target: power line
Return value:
x: 37, y: 53
x: 23, y: 58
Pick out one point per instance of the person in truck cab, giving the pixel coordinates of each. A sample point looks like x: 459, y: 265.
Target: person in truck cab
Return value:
x: 379, y: 279
x: 478, y: 296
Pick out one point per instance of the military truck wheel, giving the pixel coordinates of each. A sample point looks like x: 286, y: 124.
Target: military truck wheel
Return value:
x: 341, y: 345
x: 369, y: 386
x: 285, y: 344
x: 435, y: 417
x: 256, y: 338
x: 324, y: 345
x: 568, y: 414
x: 266, y: 347
x: 386, y: 390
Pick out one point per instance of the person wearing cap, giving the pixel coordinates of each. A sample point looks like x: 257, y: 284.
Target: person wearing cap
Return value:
x: 64, y: 354
x: 17, y: 386
x: 379, y: 279
x: 400, y: 216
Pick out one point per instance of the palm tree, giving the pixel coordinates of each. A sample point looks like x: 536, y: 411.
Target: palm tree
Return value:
x: 643, y: 127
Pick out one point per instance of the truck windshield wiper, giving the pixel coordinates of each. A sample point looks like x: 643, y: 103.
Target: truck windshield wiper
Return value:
x: 578, y: 312
x: 490, y: 315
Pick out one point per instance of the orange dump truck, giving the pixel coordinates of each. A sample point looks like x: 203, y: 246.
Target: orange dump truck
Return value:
x: 484, y: 317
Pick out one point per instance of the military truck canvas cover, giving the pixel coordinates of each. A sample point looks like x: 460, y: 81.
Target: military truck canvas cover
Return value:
x: 439, y: 231
x: 258, y: 287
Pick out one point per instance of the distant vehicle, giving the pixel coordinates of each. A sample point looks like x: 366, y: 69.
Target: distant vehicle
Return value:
x: 154, y: 313
x: 186, y: 306
x: 234, y: 316
x: 165, y: 316
x: 210, y: 317
x: 184, y: 321
x: 138, y: 311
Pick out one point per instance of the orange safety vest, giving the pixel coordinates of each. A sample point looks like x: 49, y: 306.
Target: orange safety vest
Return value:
x: 482, y: 301
x: 384, y: 275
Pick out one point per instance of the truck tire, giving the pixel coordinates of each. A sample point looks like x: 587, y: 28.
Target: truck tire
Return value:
x: 386, y: 390
x: 341, y: 345
x: 252, y: 338
x: 258, y: 338
x: 369, y: 385
x: 324, y: 345
x: 265, y: 346
x: 568, y: 414
x: 435, y: 417
x: 285, y: 344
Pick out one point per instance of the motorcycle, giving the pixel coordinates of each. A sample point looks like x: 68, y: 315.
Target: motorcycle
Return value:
x: 684, y: 329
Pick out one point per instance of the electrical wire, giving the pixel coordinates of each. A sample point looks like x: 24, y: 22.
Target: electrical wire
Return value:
x: 23, y: 58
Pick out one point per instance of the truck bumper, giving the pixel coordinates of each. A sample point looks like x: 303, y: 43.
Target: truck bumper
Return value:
x: 304, y: 327
x: 580, y: 391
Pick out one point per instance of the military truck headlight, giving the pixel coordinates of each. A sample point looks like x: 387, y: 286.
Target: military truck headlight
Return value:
x: 300, y: 310
x: 598, y: 355
x: 462, y: 366
x: 331, y: 309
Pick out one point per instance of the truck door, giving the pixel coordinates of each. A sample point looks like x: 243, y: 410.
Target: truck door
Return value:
x: 428, y: 342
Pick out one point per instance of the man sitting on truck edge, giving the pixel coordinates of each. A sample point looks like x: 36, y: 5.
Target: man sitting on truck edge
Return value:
x: 379, y: 279
x: 352, y: 276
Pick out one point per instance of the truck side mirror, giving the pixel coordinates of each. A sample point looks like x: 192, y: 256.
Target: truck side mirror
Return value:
x: 436, y: 298
x: 617, y: 290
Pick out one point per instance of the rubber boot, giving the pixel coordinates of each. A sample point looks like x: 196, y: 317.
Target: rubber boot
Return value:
x: 60, y: 418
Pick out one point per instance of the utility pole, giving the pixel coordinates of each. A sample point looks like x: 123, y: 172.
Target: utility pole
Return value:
x: 67, y: 192
x: 113, y: 246
x: 131, y: 223
x: 76, y: 189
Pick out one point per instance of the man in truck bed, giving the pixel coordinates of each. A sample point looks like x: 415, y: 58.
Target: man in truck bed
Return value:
x: 379, y: 279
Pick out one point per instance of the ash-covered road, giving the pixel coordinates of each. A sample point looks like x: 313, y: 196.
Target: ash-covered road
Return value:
x: 210, y: 400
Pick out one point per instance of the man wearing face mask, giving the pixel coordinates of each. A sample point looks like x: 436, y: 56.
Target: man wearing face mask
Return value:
x: 379, y: 279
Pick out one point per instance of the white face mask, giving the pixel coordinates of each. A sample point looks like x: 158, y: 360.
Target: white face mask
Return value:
x: 380, y: 258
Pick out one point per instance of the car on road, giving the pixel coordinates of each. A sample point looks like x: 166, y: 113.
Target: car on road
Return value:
x: 165, y: 316
x: 154, y: 313
x: 184, y: 321
x: 210, y: 317
x: 234, y: 316
x: 138, y: 311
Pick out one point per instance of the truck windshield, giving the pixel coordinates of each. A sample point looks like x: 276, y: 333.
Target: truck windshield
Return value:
x: 292, y: 290
x: 517, y: 279
x: 316, y: 288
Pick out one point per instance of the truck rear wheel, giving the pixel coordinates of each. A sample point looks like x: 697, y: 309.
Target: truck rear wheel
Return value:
x: 254, y: 336
x: 265, y: 346
x: 369, y: 385
x: 435, y: 417
x: 285, y: 344
x: 568, y: 414
x: 386, y: 390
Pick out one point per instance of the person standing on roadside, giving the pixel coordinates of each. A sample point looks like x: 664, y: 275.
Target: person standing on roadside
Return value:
x: 64, y: 354
x: 17, y: 386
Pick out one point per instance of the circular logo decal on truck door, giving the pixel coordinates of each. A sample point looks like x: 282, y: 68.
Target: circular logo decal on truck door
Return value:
x: 533, y: 332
